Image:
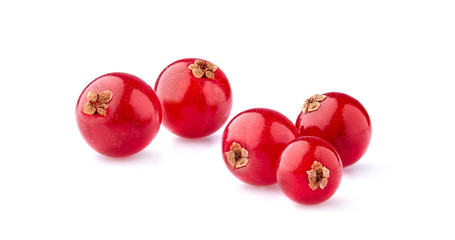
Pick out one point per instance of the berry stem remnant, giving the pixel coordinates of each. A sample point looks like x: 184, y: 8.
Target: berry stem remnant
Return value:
x: 312, y: 103
x: 237, y: 157
x: 318, y: 176
x: 97, y: 103
x: 201, y: 68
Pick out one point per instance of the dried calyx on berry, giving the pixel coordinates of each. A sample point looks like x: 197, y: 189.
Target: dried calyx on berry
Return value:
x: 237, y: 157
x: 318, y: 176
x: 97, y: 103
x: 313, y: 103
x: 202, y: 68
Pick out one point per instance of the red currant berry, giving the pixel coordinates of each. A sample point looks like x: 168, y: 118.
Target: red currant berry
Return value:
x: 310, y: 170
x: 118, y: 114
x: 339, y: 119
x: 196, y: 97
x: 252, y: 143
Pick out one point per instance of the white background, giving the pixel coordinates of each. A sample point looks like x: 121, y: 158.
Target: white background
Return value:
x: 397, y: 57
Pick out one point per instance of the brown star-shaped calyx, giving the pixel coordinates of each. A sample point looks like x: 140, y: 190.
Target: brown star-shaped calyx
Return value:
x: 97, y: 103
x: 202, y: 68
x: 313, y: 103
x: 237, y: 157
x: 318, y: 176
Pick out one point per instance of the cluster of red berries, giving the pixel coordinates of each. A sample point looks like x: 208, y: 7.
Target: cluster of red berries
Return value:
x: 262, y: 146
x: 118, y: 115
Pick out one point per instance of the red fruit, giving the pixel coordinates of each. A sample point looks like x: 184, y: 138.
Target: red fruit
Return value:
x: 118, y: 114
x: 339, y: 119
x: 310, y: 170
x: 252, y: 143
x: 196, y: 97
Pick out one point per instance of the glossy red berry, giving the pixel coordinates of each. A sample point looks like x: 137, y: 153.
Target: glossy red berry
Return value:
x: 118, y: 114
x: 339, y: 119
x: 310, y: 170
x: 196, y: 97
x: 252, y: 143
